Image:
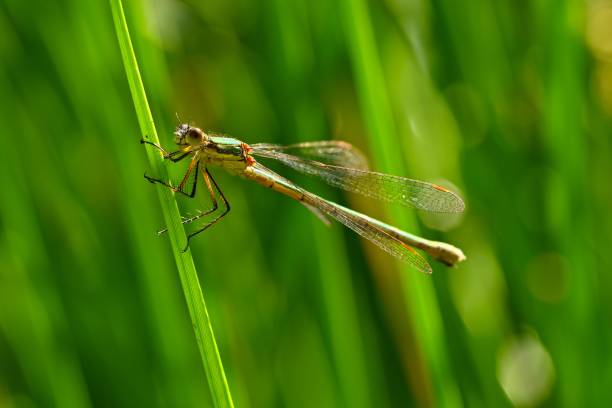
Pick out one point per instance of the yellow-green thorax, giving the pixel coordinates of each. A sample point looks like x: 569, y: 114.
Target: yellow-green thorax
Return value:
x: 226, y: 152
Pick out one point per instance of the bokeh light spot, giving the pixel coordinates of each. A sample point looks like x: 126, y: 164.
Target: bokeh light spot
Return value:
x: 525, y: 370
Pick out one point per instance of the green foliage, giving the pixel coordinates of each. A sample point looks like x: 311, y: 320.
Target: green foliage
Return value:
x: 506, y: 103
x: 184, y: 262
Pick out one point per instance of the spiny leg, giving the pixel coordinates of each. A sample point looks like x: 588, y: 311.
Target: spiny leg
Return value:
x: 214, y: 220
x: 179, y: 189
x: 181, y: 185
x: 201, y: 214
x: 164, y: 151
x: 167, y: 155
x: 213, y: 198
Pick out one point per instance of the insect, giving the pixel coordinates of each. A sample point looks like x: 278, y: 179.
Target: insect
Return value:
x: 337, y: 163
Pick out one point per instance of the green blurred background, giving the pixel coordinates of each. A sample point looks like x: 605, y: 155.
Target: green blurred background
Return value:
x: 507, y: 102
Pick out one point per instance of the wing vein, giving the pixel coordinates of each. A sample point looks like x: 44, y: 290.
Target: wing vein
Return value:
x: 394, y: 189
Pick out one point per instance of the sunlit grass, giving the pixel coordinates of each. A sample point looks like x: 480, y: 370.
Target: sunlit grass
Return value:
x: 384, y: 142
x: 507, y: 103
x: 184, y: 262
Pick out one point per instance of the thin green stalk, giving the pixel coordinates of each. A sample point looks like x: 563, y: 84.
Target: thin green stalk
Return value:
x: 570, y: 183
x: 32, y: 318
x: 375, y: 104
x: 189, y: 279
x: 338, y: 295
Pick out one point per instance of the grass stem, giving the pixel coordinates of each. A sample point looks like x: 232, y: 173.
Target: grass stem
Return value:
x: 189, y: 279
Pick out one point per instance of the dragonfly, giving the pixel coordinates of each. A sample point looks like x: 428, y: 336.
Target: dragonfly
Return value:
x: 338, y: 163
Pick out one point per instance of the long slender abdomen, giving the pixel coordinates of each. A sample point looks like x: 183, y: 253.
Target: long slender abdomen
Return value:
x: 272, y: 181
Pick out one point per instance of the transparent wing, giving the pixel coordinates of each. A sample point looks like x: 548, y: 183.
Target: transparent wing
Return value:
x: 357, y: 222
x: 371, y: 232
x: 334, y: 152
x: 318, y: 213
x: 411, y: 193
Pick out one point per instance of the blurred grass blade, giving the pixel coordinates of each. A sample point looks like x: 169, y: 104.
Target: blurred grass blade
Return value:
x: 376, y: 107
x: 193, y: 294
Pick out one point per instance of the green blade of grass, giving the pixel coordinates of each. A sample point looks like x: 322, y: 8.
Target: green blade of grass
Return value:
x: 189, y: 280
x: 343, y: 319
x: 31, y: 317
x: 376, y: 107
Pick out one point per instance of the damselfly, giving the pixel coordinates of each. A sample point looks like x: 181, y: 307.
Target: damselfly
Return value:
x: 337, y: 163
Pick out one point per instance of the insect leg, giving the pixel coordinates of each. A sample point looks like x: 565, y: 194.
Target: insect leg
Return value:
x: 201, y: 214
x: 179, y: 189
x: 164, y: 151
x: 186, y: 177
x: 213, y: 199
x: 167, y: 155
x: 214, y: 220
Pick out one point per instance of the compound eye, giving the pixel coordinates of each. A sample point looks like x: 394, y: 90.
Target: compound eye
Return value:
x: 194, y: 136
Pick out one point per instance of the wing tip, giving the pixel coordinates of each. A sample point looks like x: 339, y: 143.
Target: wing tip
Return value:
x: 454, y: 203
x: 419, y: 263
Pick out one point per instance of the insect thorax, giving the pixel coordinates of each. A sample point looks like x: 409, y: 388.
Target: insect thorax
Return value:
x: 227, y: 153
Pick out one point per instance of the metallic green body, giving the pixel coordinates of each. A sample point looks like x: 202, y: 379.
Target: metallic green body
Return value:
x: 225, y: 152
